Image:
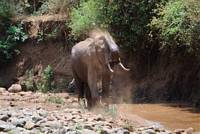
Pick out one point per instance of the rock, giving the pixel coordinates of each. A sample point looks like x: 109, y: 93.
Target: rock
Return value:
x: 12, y: 104
x: 179, y: 131
x: 89, y: 127
x: 64, y: 130
x: 73, y: 132
x: 167, y: 132
x: 42, y: 113
x: 15, y: 88
x: 46, y: 130
x: 87, y: 131
x: 35, y: 131
x: 6, y: 126
x: 17, y: 122
x: 4, y: 117
x: 120, y: 131
x: 160, y: 130
x: 76, y: 112
x: 29, y: 125
x: 2, y: 90
x: 99, y: 118
x: 149, y: 131
x: 133, y: 133
x: 128, y: 127
x: 189, y: 130
x: 104, y: 131
x: 35, y: 117
x: 164, y: 132
x: 18, y: 130
x: 28, y: 93
x: 52, y: 124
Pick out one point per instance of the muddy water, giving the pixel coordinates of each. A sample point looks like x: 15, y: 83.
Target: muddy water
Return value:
x: 169, y: 116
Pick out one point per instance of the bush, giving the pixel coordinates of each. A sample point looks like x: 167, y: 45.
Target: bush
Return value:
x: 178, y: 24
x: 28, y: 83
x: 56, y: 6
x: 14, y: 35
x: 126, y: 20
x: 46, y: 84
x: 87, y: 16
x: 6, y: 10
x: 43, y: 82
x: 11, y: 8
x: 129, y: 22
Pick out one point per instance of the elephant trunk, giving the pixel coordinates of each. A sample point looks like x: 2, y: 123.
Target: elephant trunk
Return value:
x: 122, y: 66
x: 110, y: 69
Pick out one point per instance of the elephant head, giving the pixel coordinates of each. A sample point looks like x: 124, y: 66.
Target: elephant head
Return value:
x: 110, y: 54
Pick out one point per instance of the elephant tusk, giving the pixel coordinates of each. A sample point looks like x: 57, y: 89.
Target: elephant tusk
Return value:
x: 72, y: 81
x: 109, y: 67
x: 126, y: 69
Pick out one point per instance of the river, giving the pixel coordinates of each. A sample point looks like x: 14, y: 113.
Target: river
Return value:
x: 167, y: 115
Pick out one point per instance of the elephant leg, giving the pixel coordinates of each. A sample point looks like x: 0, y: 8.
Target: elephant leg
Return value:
x: 92, y: 83
x: 80, y: 91
x: 106, y: 78
x: 88, y: 97
x: 80, y: 87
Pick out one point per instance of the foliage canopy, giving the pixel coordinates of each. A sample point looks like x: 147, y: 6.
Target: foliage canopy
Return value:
x: 178, y: 24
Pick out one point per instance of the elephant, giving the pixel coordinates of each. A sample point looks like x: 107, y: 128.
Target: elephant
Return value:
x: 92, y: 62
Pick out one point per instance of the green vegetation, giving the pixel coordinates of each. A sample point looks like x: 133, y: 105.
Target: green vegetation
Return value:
x: 29, y: 83
x: 6, y: 9
x: 89, y: 15
x: 55, y: 99
x: 127, y: 125
x: 11, y: 34
x: 56, y: 6
x: 173, y: 23
x: 178, y: 24
x: 43, y: 83
x: 133, y: 22
x: 14, y: 34
x: 112, y: 111
x: 127, y: 19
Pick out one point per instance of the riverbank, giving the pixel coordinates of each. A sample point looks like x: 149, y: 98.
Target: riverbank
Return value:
x: 33, y: 113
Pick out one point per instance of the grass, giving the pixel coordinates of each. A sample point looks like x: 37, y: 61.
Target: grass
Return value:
x: 112, y: 111
x: 78, y: 127
x: 55, y: 99
x: 127, y: 125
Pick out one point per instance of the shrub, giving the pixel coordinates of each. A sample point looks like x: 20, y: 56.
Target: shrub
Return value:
x: 28, y: 83
x: 126, y: 20
x: 178, y: 24
x: 45, y: 84
x: 6, y: 10
x: 14, y: 34
x: 56, y: 6
x: 11, y: 8
x: 87, y: 16
x: 129, y: 22
x: 48, y: 77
